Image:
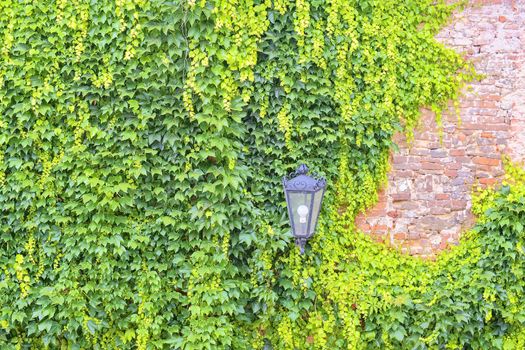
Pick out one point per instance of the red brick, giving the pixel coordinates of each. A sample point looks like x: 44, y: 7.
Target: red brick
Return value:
x: 442, y: 196
x: 431, y: 166
x: 457, y: 152
x: 398, y: 197
x: 405, y: 205
x: 376, y: 212
x: 377, y: 228
x: 494, y: 97
x: 400, y: 236
x: 453, y: 166
x: 413, y: 236
x: 488, y: 181
x: 402, y: 173
x: 397, y: 159
x: 485, y: 161
x: 486, y: 168
x: 488, y: 104
x: 439, y: 210
x: 472, y: 126
x: 458, y: 204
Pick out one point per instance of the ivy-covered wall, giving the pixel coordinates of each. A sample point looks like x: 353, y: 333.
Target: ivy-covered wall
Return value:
x: 426, y: 205
x: 142, y: 145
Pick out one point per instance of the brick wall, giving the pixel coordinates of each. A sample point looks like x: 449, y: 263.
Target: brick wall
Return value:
x: 426, y: 204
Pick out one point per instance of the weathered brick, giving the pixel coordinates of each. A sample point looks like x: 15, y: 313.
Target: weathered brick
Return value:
x: 398, y: 197
x: 397, y: 159
x: 379, y: 228
x: 488, y: 104
x: 442, y: 196
x: 485, y: 161
x: 400, y: 236
x: 457, y: 152
x: 406, y: 206
x: 412, y: 235
x: 488, y: 181
x: 439, y: 210
x: 431, y: 166
x: 451, y: 173
x: 453, y: 166
x: 458, y: 204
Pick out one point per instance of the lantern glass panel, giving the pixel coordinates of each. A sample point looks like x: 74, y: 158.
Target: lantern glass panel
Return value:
x: 316, y: 208
x: 300, y: 204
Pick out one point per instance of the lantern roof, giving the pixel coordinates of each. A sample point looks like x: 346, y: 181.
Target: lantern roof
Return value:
x: 299, y: 181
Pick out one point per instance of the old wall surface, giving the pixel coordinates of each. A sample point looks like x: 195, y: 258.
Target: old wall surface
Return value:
x: 426, y: 205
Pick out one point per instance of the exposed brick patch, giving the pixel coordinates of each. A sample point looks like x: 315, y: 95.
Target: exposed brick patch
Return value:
x: 427, y: 204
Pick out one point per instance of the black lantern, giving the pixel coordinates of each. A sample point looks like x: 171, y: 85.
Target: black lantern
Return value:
x: 304, y: 196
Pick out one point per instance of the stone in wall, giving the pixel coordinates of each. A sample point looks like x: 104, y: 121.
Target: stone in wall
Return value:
x: 426, y: 205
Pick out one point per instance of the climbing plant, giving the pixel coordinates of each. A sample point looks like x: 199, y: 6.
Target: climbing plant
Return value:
x: 142, y: 144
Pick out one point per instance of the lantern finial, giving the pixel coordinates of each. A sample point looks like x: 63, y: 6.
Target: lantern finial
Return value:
x: 302, y: 170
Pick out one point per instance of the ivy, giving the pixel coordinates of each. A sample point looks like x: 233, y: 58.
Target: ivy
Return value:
x: 142, y: 144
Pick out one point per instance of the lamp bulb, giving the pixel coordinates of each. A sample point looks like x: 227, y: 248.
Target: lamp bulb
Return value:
x: 302, y: 210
